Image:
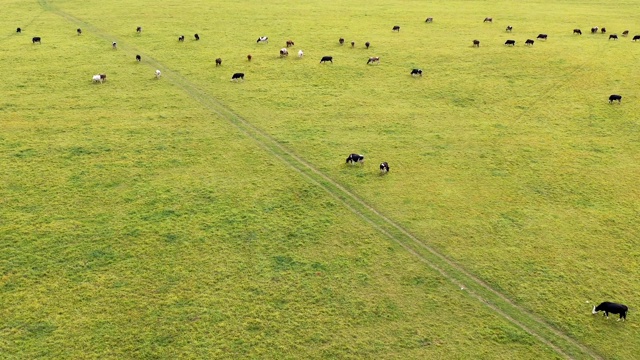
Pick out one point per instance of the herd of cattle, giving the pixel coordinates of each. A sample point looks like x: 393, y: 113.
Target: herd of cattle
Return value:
x: 606, y: 307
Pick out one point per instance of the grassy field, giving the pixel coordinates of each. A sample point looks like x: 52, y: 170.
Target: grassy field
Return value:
x: 193, y: 217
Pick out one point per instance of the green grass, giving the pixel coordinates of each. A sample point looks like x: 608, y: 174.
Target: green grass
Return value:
x: 138, y: 221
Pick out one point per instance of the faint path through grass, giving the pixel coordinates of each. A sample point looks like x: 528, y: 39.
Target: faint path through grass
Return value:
x: 548, y: 334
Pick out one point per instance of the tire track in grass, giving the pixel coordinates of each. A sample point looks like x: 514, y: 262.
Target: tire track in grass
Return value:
x: 530, y: 323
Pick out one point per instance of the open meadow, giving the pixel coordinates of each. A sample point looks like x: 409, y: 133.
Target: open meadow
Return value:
x: 190, y: 216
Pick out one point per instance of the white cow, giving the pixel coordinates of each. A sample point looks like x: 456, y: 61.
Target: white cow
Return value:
x: 284, y: 52
x: 97, y: 78
x: 264, y: 39
x: 300, y: 53
x: 158, y: 74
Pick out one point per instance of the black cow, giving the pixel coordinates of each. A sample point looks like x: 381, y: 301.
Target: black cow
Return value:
x: 613, y: 36
x: 237, y: 76
x: 614, y: 97
x: 542, y: 36
x: 594, y: 29
x: 36, y: 39
x: 625, y: 33
x: 139, y: 29
x: 529, y: 42
x: 509, y: 28
x: 476, y: 43
x: 384, y: 167
x: 604, y: 30
x: 429, y: 19
x: 196, y: 36
x: 138, y: 58
x: 609, y: 307
x: 181, y: 38
x: 355, y: 158
x: 353, y: 44
x: 416, y: 72
x: 79, y: 31
x: 488, y: 19
x: 218, y: 62
x: 396, y: 28
x: 326, y: 58
x: 18, y: 30
x: 341, y: 41
x: 510, y: 42
x: 577, y: 31
x: 636, y: 37
x: 367, y: 44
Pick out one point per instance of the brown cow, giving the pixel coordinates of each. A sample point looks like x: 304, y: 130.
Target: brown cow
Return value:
x: 374, y: 59
x: 218, y: 62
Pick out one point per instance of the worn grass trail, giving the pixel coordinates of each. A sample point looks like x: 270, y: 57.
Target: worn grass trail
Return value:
x: 548, y: 334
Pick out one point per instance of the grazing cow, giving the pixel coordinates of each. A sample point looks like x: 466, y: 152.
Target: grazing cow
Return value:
x: 529, y: 42
x: 509, y: 28
x: 510, y: 42
x: 249, y: 57
x: 577, y: 31
x: 353, y: 44
x: 237, y: 76
x: 103, y: 77
x: 341, y: 41
x: 79, y: 31
x: 613, y: 36
x: 542, y: 36
x: 36, y: 39
x: 384, y: 167
x: 614, y: 97
x: 138, y: 58
x: 158, y: 74
x: 604, y: 30
x: 18, y: 30
x: 609, y: 307
x: 326, y: 58
x: 488, y: 19
x: 284, y: 52
x: 181, y: 38
x: 355, y: 158
x: 625, y: 33
x: 416, y: 72
x: 263, y: 39
x: 367, y: 44
x: 290, y: 43
x: 196, y: 36
x: 374, y: 59
x: 636, y: 37
x: 114, y: 45
x: 594, y: 29
x: 429, y: 19
x: 218, y: 62
x: 476, y: 43
x: 396, y: 28
x: 300, y: 54
x: 139, y: 29
x: 97, y: 78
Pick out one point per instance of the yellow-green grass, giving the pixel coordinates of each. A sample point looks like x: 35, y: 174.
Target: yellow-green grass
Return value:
x: 135, y: 221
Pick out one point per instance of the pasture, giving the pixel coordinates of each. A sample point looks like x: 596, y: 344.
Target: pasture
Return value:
x: 189, y: 216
